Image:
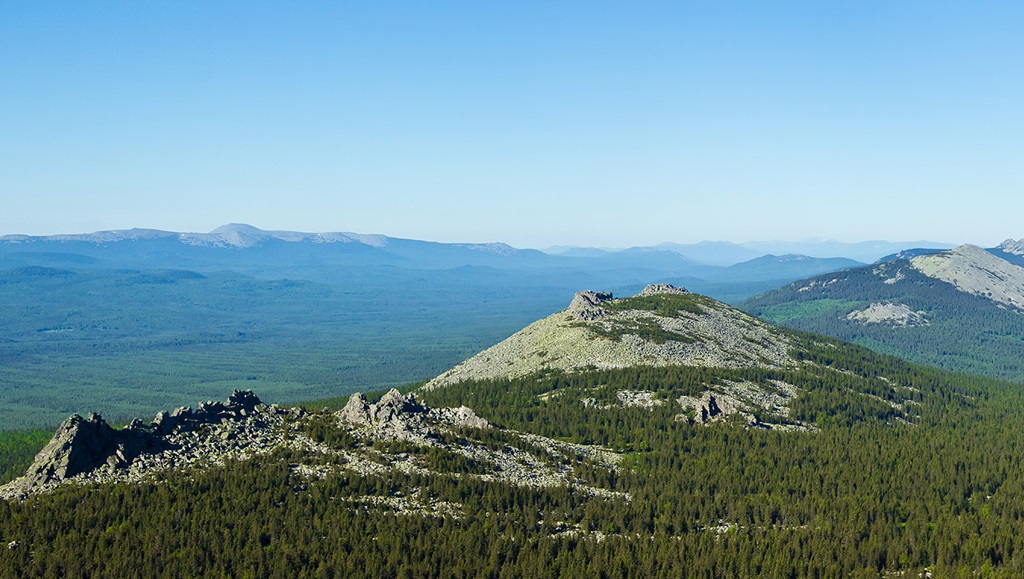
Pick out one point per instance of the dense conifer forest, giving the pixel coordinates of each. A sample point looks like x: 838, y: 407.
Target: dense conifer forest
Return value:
x: 936, y: 482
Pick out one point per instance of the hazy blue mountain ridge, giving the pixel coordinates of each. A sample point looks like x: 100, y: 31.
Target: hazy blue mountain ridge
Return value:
x: 726, y: 253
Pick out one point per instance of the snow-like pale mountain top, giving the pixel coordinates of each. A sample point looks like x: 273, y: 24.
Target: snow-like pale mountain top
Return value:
x: 97, y: 237
x: 975, y: 271
x: 241, y: 235
x: 498, y: 248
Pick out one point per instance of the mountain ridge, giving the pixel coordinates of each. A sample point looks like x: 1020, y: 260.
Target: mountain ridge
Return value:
x: 717, y: 253
x: 960, y: 309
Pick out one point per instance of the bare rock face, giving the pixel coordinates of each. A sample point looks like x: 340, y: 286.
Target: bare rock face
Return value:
x: 894, y: 314
x: 357, y: 411
x: 241, y: 403
x: 710, y: 408
x: 79, y: 445
x: 461, y: 416
x: 585, y: 304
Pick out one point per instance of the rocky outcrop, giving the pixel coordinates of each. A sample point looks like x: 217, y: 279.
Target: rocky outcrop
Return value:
x: 363, y: 440
x: 893, y: 314
x: 79, y: 445
x: 83, y: 446
x: 403, y: 416
x: 241, y: 403
x: 713, y: 406
x: 586, y: 305
x: 661, y: 288
x: 745, y: 401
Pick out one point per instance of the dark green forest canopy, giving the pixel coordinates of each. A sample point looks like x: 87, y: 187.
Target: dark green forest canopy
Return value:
x: 964, y: 333
x: 865, y: 494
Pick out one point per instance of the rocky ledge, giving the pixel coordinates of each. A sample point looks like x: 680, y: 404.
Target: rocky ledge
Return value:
x: 89, y: 449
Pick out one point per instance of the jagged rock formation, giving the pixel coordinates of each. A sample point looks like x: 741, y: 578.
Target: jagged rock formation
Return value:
x: 585, y: 304
x: 661, y: 288
x: 599, y: 331
x: 90, y: 449
x: 82, y: 444
x: 398, y: 417
x: 401, y: 415
x: 709, y: 408
x: 745, y: 400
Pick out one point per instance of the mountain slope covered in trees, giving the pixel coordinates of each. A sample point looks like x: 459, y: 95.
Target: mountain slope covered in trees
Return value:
x: 891, y: 469
x: 959, y: 309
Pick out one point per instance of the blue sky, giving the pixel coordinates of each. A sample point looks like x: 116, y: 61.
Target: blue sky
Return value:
x: 532, y: 123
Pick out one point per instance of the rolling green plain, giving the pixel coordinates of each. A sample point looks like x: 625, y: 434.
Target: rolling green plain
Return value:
x: 130, y: 343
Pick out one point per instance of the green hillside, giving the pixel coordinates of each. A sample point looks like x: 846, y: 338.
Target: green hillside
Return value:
x: 957, y: 331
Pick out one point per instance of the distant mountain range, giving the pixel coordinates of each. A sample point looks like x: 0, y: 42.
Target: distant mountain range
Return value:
x: 725, y: 253
x: 277, y: 309
x: 715, y: 253
x: 247, y: 249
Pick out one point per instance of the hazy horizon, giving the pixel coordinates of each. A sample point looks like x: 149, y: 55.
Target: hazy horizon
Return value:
x: 554, y: 247
x: 586, y: 124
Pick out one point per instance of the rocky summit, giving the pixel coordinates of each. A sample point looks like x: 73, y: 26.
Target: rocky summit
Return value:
x: 663, y: 325
x: 976, y: 271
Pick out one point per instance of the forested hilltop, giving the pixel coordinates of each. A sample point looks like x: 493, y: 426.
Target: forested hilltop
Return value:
x: 835, y: 461
x: 960, y: 310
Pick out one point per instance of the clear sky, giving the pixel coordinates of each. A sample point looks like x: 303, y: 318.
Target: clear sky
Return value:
x: 532, y: 123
